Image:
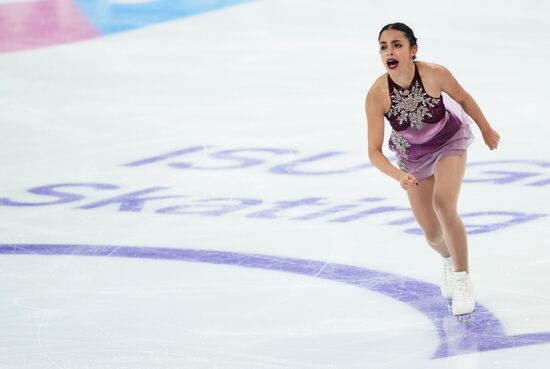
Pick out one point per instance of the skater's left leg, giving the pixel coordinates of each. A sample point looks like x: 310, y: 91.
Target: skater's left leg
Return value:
x: 448, y: 179
x: 449, y: 173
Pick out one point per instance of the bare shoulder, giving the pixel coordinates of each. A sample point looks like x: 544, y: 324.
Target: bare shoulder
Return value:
x: 431, y: 69
x: 436, y: 78
x: 378, y: 90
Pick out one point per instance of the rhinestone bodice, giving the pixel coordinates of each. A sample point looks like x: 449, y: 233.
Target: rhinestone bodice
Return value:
x: 412, y: 107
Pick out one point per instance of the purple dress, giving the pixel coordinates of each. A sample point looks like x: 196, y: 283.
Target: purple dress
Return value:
x: 425, y: 129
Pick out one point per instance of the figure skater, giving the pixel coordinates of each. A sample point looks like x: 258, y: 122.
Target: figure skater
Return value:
x: 426, y: 108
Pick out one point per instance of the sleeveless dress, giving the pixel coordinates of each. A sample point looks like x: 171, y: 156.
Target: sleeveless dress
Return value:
x: 425, y: 129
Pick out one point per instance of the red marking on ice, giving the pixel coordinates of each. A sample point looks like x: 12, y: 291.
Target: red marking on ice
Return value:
x: 29, y: 25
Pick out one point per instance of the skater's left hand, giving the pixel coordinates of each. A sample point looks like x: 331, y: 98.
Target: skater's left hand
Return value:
x: 491, y: 138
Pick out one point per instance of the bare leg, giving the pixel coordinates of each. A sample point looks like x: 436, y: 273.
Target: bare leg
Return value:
x: 421, y: 200
x: 449, y: 173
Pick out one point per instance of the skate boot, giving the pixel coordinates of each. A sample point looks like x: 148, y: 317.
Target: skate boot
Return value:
x: 463, y: 300
x: 447, y: 279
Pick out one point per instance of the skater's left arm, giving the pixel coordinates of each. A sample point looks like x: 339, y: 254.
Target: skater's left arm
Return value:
x: 451, y: 86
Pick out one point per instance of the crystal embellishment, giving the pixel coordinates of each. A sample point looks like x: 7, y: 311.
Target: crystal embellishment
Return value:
x: 401, y: 164
x: 400, y: 144
x: 411, y: 105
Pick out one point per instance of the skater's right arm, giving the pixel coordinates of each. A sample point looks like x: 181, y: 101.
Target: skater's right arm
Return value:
x: 374, y: 108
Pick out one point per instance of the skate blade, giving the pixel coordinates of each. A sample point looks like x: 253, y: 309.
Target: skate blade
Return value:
x: 464, y: 318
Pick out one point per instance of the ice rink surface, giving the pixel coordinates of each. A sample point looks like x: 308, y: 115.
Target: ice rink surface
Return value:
x: 185, y: 184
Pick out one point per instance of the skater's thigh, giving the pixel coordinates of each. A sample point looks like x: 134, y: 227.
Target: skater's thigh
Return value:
x: 449, y: 173
x: 421, y: 200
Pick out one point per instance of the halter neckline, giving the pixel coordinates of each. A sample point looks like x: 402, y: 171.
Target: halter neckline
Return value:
x: 415, y: 77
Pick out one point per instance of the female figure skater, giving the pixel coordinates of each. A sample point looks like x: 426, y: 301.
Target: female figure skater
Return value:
x: 426, y: 108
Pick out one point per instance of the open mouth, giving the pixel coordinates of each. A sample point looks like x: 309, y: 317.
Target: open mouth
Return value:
x: 392, y: 63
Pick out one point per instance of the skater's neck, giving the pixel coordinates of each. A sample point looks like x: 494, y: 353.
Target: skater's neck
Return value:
x: 404, y: 77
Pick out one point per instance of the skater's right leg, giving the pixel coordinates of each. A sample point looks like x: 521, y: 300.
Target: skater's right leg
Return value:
x: 421, y: 200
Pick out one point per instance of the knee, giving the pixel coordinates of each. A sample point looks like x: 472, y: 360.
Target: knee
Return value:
x: 433, y: 236
x: 444, y: 208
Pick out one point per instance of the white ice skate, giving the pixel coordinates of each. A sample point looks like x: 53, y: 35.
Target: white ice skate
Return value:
x: 447, y: 279
x: 463, y: 300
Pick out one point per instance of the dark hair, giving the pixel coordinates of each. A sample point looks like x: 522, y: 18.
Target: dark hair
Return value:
x: 407, y: 31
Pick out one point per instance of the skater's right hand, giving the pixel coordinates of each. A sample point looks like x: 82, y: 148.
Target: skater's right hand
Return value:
x: 407, y: 181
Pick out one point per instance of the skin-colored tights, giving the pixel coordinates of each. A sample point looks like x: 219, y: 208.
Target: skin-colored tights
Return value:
x: 434, y: 204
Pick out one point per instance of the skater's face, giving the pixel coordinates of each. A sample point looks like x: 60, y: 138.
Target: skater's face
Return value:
x: 395, y: 50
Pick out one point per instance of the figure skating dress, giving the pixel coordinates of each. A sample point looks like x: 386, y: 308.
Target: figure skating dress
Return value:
x: 425, y: 129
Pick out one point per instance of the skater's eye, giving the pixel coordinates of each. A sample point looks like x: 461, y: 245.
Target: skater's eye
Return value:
x: 397, y: 45
x: 383, y: 47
